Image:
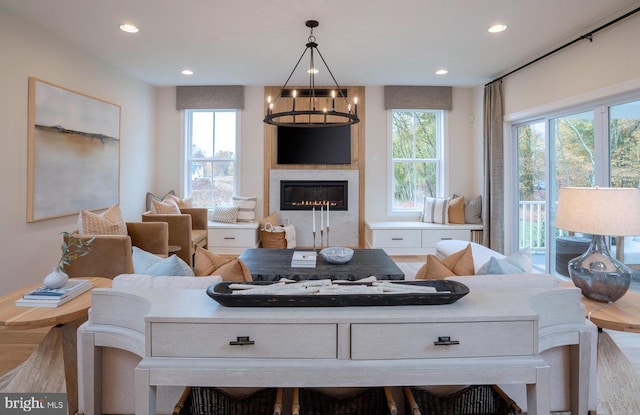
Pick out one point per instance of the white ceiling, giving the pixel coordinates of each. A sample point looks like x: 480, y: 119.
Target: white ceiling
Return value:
x: 364, y: 42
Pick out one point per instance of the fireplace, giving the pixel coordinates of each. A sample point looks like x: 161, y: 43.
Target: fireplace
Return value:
x: 305, y: 194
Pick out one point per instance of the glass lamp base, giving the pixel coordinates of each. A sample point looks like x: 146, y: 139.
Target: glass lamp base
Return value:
x: 600, y: 276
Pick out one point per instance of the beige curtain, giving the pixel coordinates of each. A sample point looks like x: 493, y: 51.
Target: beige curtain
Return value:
x: 493, y: 206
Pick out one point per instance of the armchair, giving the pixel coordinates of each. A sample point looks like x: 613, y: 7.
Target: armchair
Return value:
x: 111, y: 255
x: 187, y: 230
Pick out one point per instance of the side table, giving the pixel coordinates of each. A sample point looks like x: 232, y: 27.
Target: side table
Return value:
x: 622, y: 315
x: 59, y: 345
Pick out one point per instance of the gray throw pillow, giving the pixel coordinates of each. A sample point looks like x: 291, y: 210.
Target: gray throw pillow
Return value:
x: 517, y: 263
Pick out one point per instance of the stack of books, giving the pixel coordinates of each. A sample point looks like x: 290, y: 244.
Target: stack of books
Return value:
x: 303, y: 259
x: 53, y: 297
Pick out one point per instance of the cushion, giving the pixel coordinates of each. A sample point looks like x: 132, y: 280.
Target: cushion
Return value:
x: 109, y: 222
x: 150, y: 264
x: 182, y: 203
x: 516, y: 263
x: 225, y: 214
x: 230, y: 269
x: 458, y: 263
x: 165, y: 207
x: 151, y: 196
x: 473, y: 210
x: 163, y: 281
x: 436, y: 210
x: 456, y: 210
x: 246, y: 208
x: 272, y: 219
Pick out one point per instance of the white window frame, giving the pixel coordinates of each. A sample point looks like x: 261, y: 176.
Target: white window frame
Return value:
x: 440, y: 160
x: 187, y: 159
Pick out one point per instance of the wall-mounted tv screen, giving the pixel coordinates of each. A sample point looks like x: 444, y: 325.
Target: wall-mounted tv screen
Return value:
x: 323, y: 145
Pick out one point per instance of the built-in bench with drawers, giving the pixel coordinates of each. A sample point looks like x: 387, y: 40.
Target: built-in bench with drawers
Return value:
x: 417, y: 238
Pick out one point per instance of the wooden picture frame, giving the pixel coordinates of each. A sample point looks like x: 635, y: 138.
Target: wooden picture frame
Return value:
x: 73, y: 152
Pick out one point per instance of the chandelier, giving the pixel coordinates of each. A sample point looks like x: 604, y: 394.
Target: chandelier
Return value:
x: 310, y: 112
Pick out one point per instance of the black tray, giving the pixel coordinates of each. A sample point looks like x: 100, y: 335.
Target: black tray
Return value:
x: 452, y: 292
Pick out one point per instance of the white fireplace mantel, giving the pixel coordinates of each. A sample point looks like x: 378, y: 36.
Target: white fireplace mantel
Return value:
x: 343, y: 224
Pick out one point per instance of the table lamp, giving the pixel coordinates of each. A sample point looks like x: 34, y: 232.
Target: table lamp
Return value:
x: 599, y: 211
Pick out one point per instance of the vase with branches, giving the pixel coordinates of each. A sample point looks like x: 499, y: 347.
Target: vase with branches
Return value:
x: 72, y: 248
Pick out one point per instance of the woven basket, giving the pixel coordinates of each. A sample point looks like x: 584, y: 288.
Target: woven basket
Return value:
x: 472, y: 400
x: 273, y: 237
x: 370, y: 401
x: 213, y: 401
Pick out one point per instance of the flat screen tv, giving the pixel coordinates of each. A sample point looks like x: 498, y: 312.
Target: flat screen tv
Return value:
x: 324, y: 145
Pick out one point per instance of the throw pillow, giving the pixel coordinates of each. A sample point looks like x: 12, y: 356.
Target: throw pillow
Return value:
x: 230, y: 269
x: 272, y: 219
x: 458, y: 263
x: 182, y: 203
x: 473, y: 210
x: 436, y: 210
x: 165, y: 207
x: 225, y: 214
x: 517, y: 263
x: 151, y: 196
x: 150, y: 264
x: 246, y: 208
x: 456, y: 209
x: 109, y: 222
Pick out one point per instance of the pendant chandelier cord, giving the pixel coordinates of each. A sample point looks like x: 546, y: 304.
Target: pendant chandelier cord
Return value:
x: 588, y: 36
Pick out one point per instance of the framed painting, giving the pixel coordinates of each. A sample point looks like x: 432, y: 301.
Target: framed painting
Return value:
x: 73, y: 152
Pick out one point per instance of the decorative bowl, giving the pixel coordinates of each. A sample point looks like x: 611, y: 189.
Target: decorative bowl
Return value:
x: 337, y: 255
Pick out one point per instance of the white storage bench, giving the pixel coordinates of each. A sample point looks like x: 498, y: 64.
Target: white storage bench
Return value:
x: 232, y: 238
x: 416, y: 238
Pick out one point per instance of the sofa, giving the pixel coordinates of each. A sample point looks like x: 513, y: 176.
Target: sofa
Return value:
x: 118, y: 365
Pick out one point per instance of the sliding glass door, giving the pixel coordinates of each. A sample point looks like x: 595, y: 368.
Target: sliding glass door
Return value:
x: 597, y: 146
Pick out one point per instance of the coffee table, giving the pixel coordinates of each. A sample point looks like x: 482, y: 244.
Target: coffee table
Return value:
x: 60, y: 344
x: 273, y: 264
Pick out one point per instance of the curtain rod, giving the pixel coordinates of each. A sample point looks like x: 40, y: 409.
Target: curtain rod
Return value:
x: 588, y: 35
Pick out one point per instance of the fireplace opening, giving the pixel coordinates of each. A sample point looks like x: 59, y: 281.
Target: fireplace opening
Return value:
x: 305, y: 194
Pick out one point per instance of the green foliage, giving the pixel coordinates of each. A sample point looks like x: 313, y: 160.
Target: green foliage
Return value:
x: 414, y: 153
x: 72, y: 248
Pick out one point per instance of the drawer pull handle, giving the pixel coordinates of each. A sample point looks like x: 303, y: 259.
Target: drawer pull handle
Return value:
x: 242, y: 341
x: 397, y: 239
x: 446, y: 239
x: 445, y: 341
x: 229, y: 237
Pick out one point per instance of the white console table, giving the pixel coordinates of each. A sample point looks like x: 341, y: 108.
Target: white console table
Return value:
x: 186, y: 338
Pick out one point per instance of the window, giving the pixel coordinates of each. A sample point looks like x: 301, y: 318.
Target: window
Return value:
x: 211, y: 163
x: 593, y: 145
x: 416, y: 158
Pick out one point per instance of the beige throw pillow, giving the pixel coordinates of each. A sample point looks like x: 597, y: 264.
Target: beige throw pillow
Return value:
x: 458, y: 263
x: 456, y: 210
x: 230, y: 269
x: 165, y: 207
x: 109, y: 222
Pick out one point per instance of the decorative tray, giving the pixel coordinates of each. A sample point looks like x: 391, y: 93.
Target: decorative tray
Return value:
x: 447, y: 292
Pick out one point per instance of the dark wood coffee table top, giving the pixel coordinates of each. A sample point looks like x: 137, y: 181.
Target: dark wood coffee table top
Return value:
x: 273, y: 264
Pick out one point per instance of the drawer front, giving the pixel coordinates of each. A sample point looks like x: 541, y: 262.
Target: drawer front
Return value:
x: 401, y: 238
x: 418, y: 341
x: 293, y: 341
x: 233, y: 237
x: 430, y: 238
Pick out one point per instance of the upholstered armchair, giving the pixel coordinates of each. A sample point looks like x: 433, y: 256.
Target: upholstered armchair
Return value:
x: 187, y: 230
x: 111, y: 255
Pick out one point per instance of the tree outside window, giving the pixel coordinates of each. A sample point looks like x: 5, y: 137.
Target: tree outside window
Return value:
x: 415, y: 157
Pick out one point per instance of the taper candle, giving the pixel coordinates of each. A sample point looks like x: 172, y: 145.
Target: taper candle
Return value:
x: 314, y: 218
x: 328, y: 204
x: 321, y: 218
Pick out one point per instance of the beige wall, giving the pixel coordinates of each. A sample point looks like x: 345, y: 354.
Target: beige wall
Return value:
x: 585, y: 72
x: 28, y: 251
x: 462, y: 163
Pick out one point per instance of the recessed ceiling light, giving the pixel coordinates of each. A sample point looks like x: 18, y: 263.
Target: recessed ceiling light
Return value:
x: 497, y: 28
x: 442, y: 72
x: 187, y: 72
x: 129, y: 28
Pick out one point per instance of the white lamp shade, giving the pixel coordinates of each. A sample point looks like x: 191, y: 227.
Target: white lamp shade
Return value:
x: 599, y: 210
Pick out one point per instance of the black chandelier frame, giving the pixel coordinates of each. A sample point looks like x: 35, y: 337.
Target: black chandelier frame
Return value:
x: 309, y: 117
